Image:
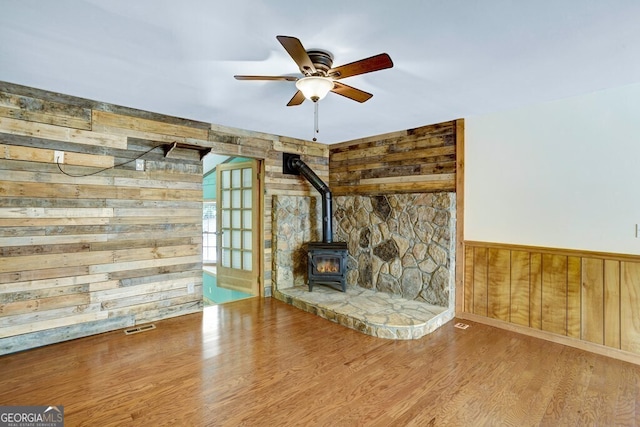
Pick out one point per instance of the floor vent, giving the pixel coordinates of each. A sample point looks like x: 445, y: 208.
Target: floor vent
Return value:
x: 139, y: 329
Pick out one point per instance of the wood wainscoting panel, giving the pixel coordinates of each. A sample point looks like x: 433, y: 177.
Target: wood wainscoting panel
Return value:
x: 480, y: 281
x: 554, y: 293
x: 612, y: 303
x: 468, y: 280
x: 630, y: 306
x: 574, y: 314
x: 535, y: 303
x: 499, y: 284
x: 520, y: 287
x: 590, y: 297
x: 592, y: 300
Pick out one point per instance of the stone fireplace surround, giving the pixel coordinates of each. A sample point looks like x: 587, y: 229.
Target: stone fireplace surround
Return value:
x: 400, y: 280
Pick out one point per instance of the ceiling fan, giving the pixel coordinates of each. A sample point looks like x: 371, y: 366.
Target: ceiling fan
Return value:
x: 319, y: 77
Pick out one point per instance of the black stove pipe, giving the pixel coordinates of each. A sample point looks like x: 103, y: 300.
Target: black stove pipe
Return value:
x: 300, y: 166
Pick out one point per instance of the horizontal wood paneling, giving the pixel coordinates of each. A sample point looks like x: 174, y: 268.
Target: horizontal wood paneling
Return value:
x: 593, y: 297
x: 40, y: 111
x: 104, y: 245
x: 61, y: 133
x: 413, y: 161
x: 111, y: 121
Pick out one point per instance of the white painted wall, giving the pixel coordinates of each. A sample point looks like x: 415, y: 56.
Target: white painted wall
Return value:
x: 564, y: 174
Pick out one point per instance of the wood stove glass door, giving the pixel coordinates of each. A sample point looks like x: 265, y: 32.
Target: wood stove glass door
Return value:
x: 238, y: 227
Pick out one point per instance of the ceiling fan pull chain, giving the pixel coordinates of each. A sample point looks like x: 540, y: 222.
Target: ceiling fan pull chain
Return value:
x: 315, y: 120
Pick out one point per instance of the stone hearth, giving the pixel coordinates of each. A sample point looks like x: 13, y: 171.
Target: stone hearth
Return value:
x: 374, y: 313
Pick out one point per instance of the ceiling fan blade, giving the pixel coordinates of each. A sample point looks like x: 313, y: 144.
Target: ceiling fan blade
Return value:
x: 297, y: 99
x: 287, y: 78
x: 375, y: 63
x: 298, y: 53
x: 350, y: 92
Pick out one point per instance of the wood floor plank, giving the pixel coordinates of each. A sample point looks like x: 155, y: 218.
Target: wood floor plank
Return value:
x: 625, y: 407
x: 565, y: 402
x: 420, y: 397
x: 263, y: 362
x: 526, y: 387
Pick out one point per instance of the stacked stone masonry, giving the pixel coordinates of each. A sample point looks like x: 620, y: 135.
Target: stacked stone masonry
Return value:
x: 402, y: 244
x: 296, y: 222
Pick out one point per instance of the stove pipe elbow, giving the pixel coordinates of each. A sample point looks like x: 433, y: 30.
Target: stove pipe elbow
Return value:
x: 327, y: 204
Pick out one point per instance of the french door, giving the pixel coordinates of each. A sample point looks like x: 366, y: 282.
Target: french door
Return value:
x: 238, y: 226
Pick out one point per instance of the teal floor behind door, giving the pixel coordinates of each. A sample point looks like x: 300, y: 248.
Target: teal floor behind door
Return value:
x: 213, y: 294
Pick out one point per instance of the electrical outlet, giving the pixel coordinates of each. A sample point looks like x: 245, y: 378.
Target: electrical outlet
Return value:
x: 191, y: 288
x: 139, y: 164
x: 58, y: 156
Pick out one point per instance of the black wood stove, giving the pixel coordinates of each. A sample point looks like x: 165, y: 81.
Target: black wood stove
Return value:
x: 327, y: 260
x: 327, y: 264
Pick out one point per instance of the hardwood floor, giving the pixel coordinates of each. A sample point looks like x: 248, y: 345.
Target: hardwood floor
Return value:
x: 262, y: 362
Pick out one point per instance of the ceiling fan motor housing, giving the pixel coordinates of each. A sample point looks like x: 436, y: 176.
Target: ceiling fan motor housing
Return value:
x: 321, y: 59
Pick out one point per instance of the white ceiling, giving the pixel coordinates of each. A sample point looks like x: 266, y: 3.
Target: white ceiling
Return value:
x: 453, y: 58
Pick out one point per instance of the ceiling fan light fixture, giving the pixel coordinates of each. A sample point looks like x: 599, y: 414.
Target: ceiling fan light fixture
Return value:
x: 314, y: 88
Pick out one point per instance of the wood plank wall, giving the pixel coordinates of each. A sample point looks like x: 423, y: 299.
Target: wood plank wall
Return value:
x: 83, y: 255
x: 589, y: 296
x: 412, y: 161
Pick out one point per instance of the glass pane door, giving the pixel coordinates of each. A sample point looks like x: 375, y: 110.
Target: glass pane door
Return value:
x: 237, y: 226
